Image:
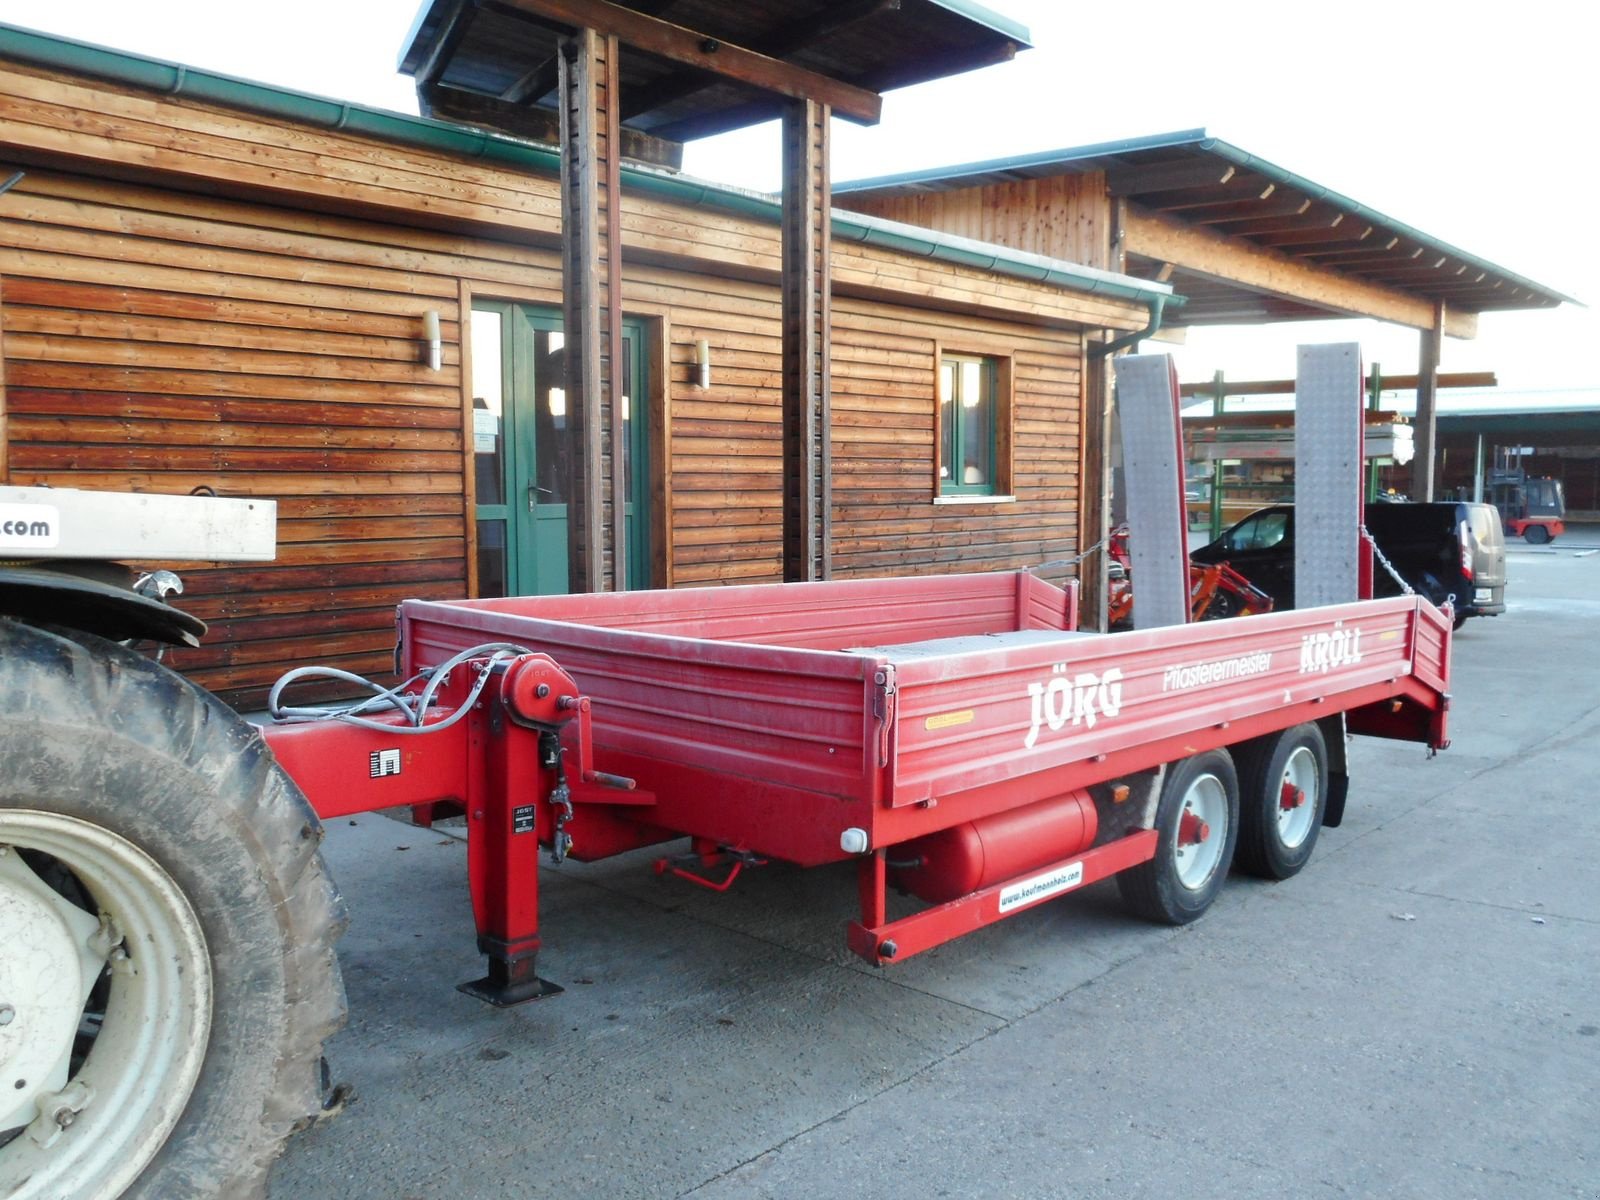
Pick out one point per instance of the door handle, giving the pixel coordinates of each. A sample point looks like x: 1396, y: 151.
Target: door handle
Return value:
x: 534, y: 487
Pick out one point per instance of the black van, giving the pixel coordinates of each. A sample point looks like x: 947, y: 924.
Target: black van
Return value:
x: 1449, y: 550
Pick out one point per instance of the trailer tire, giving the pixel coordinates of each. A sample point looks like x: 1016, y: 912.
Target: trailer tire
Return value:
x: 1275, y: 842
x: 1173, y: 888
x: 131, y: 791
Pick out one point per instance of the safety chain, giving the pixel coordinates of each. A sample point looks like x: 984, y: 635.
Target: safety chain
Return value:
x: 1385, y: 563
x: 1069, y: 562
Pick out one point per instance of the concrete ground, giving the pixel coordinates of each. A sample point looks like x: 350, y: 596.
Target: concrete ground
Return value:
x: 1417, y: 1014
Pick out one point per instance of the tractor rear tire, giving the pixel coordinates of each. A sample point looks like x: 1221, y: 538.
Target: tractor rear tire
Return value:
x: 129, y: 795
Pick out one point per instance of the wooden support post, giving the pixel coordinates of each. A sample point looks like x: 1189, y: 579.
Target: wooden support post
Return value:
x: 591, y: 307
x: 5, y: 428
x: 1426, y: 430
x: 1219, y: 406
x: 807, y: 317
x: 1094, y: 494
x: 1094, y: 465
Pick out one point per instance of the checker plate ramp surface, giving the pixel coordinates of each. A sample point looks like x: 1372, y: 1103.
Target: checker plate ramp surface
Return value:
x: 1329, y: 424
x: 1152, y: 462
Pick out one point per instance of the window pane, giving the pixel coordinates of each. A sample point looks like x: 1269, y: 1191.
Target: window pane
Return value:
x: 552, y: 448
x: 947, y: 422
x: 627, y: 415
x: 977, y: 425
x: 488, y: 406
x: 492, y: 558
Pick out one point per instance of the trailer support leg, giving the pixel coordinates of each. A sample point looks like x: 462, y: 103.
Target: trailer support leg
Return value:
x: 506, y: 801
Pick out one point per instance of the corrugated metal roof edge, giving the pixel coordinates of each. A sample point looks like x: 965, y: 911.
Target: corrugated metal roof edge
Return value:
x: 209, y: 86
x: 1200, y: 140
x: 1041, y: 158
x: 1002, y: 25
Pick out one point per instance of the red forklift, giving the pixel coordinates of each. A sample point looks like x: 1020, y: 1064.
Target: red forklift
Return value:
x: 1532, y: 509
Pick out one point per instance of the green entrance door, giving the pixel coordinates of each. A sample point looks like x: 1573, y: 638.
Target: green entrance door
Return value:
x: 524, y: 448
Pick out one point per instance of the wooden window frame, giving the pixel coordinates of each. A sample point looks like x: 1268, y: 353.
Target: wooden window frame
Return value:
x: 1001, y: 364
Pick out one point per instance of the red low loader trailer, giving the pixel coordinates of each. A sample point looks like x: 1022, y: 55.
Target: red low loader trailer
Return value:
x: 955, y: 736
x: 167, y: 923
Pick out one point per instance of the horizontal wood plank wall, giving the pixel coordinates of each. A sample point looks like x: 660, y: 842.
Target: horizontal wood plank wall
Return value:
x: 161, y: 337
x: 1064, y: 216
x: 884, y: 396
x: 166, y: 343
x: 143, y: 135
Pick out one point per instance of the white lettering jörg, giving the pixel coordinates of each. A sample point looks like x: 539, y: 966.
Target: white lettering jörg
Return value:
x: 1073, y: 700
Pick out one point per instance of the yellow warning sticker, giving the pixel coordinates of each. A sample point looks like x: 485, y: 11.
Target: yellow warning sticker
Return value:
x: 949, y: 719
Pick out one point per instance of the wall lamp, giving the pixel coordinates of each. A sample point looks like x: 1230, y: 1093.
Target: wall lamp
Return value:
x: 431, y: 335
x: 702, y: 363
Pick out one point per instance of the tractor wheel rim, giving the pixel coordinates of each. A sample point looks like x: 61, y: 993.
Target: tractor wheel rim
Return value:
x: 100, y: 1053
x: 1206, y: 801
x: 1300, y: 774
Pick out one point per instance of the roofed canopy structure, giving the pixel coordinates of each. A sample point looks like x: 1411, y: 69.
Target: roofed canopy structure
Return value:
x: 636, y: 79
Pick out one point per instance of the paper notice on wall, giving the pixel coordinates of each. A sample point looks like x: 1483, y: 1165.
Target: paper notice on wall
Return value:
x: 485, y: 431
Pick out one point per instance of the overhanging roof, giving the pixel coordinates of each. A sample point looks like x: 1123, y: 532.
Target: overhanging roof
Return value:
x: 1203, y: 184
x: 493, y: 50
x: 206, y: 87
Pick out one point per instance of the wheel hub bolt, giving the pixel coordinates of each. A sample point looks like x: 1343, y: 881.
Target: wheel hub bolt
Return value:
x: 1291, y: 797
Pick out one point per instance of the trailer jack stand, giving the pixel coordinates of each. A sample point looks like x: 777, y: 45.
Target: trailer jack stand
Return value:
x: 509, y: 982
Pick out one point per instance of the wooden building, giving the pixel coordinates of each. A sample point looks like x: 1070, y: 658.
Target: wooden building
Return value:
x: 213, y: 284
x: 208, y: 284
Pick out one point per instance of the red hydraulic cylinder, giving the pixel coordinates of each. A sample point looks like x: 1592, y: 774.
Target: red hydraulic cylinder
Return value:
x: 969, y: 857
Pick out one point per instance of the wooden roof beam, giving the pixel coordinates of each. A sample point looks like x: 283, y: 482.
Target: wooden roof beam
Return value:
x: 677, y: 44
x: 454, y: 29
x: 1421, y: 273
x: 1305, y: 241
x: 540, y: 81
x: 796, y: 35
x: 1242, y: 191
x: 535, y: 124
x: 1258, y: 268
x: 1168, y: 177
x: 1386, y: 249
x: 1308, y: 220
x: 1288, y: 205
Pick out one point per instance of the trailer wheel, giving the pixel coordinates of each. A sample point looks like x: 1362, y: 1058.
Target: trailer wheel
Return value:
x: 1197, y: 823
x: 1283, y: 789
x: 167, y: 974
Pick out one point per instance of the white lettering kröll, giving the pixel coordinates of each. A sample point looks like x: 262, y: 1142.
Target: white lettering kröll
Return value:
x: 1321, y: 652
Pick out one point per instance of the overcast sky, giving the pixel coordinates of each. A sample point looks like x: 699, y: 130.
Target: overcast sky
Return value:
x: 1462, y: 120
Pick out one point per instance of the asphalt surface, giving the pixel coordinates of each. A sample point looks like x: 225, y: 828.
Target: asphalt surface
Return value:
x: 1417, y: 1014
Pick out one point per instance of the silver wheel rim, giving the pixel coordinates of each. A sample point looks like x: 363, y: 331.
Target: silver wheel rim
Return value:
x: 1205, y: 801
x: 83, y: 1115
x: 1299, y: 774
